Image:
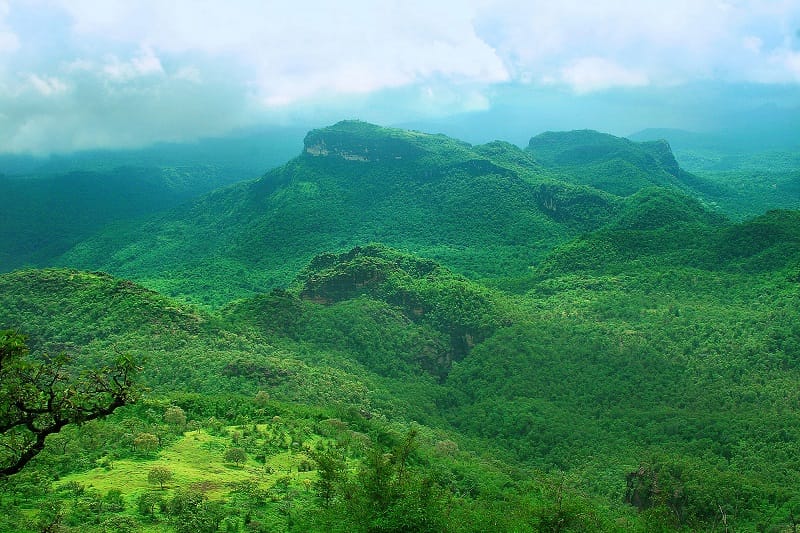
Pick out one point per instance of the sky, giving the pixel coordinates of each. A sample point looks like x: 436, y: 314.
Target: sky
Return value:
x: 85, y: 74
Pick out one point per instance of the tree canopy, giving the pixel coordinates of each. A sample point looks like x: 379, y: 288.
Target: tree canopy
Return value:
x: 39, y: 398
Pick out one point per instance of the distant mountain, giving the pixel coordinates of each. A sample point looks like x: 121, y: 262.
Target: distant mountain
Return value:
x: 43, y: 216
x: 752, y: 170
x: 613, y: 164
x: 738, y: 148
x: 763, y: 128
x: 484, y: 211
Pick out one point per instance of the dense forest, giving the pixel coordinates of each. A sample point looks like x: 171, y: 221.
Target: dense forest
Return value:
x: 398, y: 331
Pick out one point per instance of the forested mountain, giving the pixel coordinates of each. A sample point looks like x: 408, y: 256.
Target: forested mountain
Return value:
x: 398, y: 331
x: 485, y: 211
x: 52, y: 203
x: 612, y: 164
x: 752, y: 169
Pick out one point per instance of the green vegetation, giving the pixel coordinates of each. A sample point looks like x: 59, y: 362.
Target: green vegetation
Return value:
x: 52, y: 204
x: 355, y: 183
x: 159, y: 475
x: 751, y: 172
x: 531, y: 353
x: 612, y: 164
x: 39, y: 398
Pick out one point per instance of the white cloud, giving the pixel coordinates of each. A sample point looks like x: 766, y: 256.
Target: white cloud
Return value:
x: 438, y: 100
x: 788, y: 62
x: 47, y: 86
x: 9, y: 42
x: 590, y: 74
x: 666, y: 42
x: 96, y: 66
x: 288, y: 52
x: 114, y: 103
x: 752, y: 44
x: 145, y: 63
x: 190, y: 73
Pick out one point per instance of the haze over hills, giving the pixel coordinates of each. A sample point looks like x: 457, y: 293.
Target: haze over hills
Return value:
x: 356, y: 183
x: 241, y: 154
x: 745, y: 171
x: 91, y: 184
x: 54, y: 202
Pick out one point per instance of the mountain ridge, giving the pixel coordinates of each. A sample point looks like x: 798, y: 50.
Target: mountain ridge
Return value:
x: 614, y: 164
x: 487, y: 211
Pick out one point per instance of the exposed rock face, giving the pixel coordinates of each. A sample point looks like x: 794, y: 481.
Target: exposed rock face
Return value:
x: 320, y: 149
x: 360, y: 141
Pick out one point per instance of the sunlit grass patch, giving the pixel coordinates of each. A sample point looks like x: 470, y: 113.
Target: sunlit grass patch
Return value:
x: 196, y: 462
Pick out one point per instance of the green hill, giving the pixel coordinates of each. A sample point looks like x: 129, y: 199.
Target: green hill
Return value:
x: 753, y: 171
x: 765, y: 243
x: 665, y: 371
x: 404, y: 332
x: 342, y: 387
x: 485, y: 212
x: 769, y: 243
x: 613, y: 164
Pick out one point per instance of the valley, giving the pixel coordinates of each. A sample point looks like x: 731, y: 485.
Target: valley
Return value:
x: 401, y: 331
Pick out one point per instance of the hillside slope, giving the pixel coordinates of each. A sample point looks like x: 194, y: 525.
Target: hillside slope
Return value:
x: 53, y: 203
x: 613, y: 164
x: 353, y: 184
x: 753, y: 171
x: 616, y: 373
x: 485, y: 211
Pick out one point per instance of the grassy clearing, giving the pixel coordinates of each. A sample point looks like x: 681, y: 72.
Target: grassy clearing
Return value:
x: 196, y: 461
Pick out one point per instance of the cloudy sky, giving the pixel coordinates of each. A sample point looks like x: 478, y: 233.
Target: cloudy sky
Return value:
x: 78, y: 74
